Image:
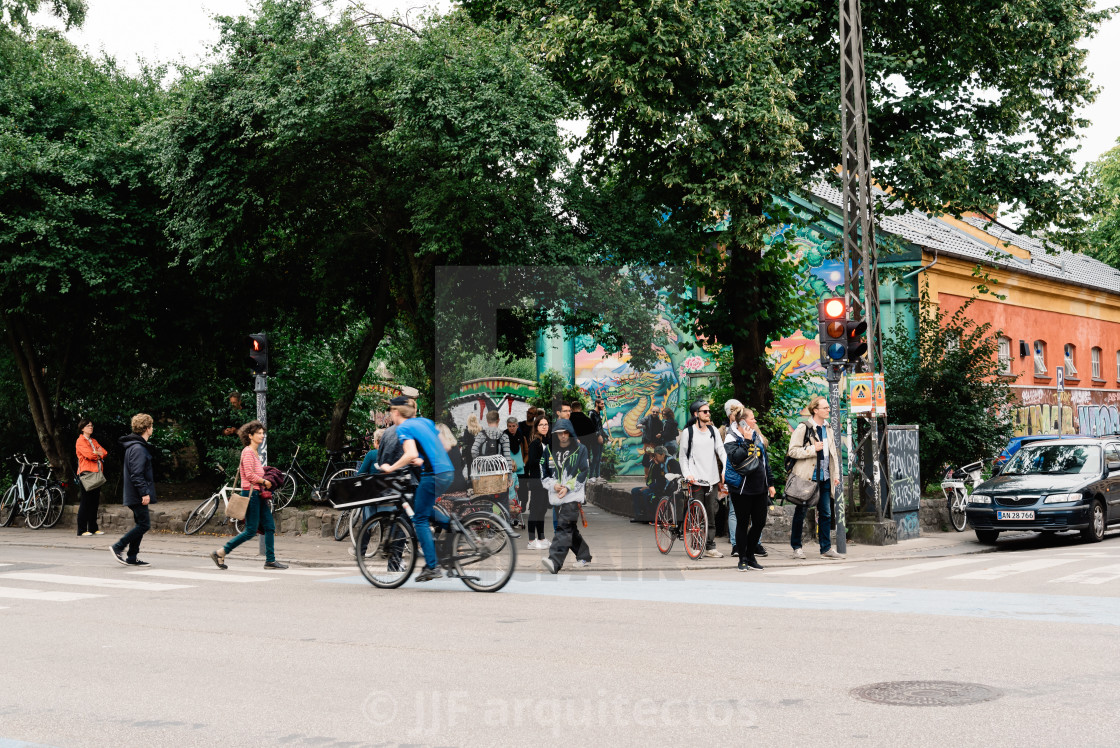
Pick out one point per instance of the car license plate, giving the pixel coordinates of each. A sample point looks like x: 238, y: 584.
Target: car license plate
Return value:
x: 1015, y: 515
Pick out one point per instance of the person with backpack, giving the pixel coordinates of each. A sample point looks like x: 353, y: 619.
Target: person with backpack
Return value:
x: 702, y: 458
x: 750, y: 483
x: 493, y: 440
x: 812, y: 461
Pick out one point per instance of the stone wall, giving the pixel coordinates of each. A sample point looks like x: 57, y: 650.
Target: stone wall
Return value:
x: 117, y: 519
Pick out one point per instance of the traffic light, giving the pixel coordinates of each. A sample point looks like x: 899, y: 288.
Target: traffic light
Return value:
x: 832, y: 327
x: 258, y: 353
x: 855, y: 331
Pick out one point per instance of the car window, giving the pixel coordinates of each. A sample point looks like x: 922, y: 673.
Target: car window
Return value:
x: 1053, y: 459
x: 1111, y: 453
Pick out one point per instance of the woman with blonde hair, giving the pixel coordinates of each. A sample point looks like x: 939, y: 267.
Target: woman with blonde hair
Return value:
x: 470, y: 433
x: 750, y: 484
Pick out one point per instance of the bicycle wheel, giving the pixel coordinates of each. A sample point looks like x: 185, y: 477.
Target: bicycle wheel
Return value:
x: 36, y: 512
x: 485, y: 556
x: 392, y: 564
x: 354, y: 524
x: 238, y: 525
x: 373, y: 542
x: 695, y: 530
x: 957, y: 510
x: 200, y: 515
x: 54, y: 508
x: 283, y: 496
x: 342, y: 525
x: 8, y: 507
x: 663, y: 526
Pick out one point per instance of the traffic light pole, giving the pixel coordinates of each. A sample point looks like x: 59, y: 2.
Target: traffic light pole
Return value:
x: 839, y: 511
x: 261, y: 388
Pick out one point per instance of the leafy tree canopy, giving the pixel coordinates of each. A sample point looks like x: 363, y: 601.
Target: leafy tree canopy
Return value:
x: 1104, y: 229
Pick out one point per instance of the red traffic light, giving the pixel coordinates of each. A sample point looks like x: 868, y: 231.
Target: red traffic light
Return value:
x: 834, y: 308
x: 257, y: 359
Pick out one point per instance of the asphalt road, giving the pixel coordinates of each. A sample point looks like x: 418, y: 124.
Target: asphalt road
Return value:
x: 182, y: 654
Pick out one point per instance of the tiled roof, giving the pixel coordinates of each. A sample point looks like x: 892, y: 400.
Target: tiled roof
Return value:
x: 941, y: 236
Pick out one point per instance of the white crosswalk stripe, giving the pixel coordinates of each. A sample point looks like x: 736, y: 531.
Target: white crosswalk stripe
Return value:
x: 999, y: 572
x: 123, y: 584
x: 905, y: 571
x: 214, y: 576
x: 804, y: 571
x: 330, y: 572
x: 1098, y: 575
x: 17, y: 593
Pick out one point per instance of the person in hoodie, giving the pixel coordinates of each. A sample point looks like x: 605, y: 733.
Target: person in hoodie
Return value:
x: 139, y: 489
x: 751, y: 492
x: 570, y: 468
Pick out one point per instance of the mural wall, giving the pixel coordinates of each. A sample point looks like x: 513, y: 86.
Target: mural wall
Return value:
x: 1081, y: 411
x: 506, y: 395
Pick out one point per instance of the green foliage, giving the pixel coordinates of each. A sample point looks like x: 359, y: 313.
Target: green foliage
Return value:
x: 946, y: 381
x: 498, y: 364
x: 608, y: 467
x: 553, y: 388
x: 1104, y: 229
x: 16, y: 14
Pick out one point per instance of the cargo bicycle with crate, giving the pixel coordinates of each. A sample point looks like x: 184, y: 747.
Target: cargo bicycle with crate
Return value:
x: 692, y: 527
x: 478, y: 548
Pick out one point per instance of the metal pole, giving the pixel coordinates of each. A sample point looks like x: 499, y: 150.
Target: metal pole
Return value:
x: 261, y: 388
x: 838, y: 510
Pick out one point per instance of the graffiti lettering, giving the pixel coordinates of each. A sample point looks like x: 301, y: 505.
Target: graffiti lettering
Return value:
x: 902, y: 452
x: 1095, y: 420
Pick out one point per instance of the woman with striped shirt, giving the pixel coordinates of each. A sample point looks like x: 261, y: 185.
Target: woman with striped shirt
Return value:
x: 258, y: 514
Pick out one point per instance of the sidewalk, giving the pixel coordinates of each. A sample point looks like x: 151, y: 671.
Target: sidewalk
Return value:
x: 616, y: 544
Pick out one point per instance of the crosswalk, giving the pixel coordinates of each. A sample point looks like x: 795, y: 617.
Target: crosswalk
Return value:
x: 49, y: 586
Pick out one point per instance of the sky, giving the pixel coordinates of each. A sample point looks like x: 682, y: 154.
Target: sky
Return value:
x: 183, y: 30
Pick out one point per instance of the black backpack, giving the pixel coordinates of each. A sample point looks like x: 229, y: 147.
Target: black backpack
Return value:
x: 489, y: 446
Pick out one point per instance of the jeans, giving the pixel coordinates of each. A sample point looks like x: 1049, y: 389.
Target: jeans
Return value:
x: 711, y: 506
x: 432, y: 486
x: 732, y: 521
x: 87, y: 509
x: 596, y: 459
x: 132, y: 538
x: 644, y: 504
x: 824, y: 519
x: 258, y: 514
x: 567, y: 536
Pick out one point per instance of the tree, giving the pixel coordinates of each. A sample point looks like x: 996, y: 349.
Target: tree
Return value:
x: 946, y: 380
x: 1104, y: 227
x: 17, y: 14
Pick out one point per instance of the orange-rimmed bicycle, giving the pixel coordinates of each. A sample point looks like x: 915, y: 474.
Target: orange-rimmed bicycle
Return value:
x: 692, y: 527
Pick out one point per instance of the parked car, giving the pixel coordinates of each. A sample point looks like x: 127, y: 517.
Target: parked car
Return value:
x: 1051, y: 486
x: 1017, y: 443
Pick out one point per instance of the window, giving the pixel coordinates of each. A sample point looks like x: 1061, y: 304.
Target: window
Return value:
x: 952, y: 343
x: 1118, y: 366
x: 1040, y: 358
x: 1004, y: 355
x: 1071, y: 370
x: 1096, y: 355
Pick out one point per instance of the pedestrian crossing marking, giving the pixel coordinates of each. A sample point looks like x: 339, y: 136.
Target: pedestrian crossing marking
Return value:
x: 902, y: 571
x: 295, y: 572
x: 999, y: 572
x: 17, y: 593
x: 124, y: 584
x: 803, y: 571
x: 1099, y: 575
x: 215, y: 576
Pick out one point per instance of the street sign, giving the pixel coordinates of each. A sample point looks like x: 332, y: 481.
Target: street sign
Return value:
x: 1061, y: 370
x: 879, y: 396
x: 861, y: 391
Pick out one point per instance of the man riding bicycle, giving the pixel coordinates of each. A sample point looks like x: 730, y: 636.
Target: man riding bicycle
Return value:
x: 423, y: 448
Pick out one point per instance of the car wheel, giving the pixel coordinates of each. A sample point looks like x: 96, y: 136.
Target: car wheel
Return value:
x: 987, y: 537
x: 1094, y: 533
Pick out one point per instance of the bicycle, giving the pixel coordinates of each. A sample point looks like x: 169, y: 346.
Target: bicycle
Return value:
x: 693, y: 528
x: 333, y: 470
x: 479, y: 549
x: 956, y: 490
x: 34, y: 495
x: 202, y: 513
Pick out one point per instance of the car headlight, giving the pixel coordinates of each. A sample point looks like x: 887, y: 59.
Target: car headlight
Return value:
x: 979, y: 498
x: 1061, y: 498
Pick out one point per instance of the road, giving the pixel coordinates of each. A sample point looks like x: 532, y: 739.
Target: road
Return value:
x: 182, y: 654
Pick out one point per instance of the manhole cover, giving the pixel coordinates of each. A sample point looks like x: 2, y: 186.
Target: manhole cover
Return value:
x: 926, y: 693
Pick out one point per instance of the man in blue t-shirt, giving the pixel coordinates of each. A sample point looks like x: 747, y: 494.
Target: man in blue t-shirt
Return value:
x: 423, y: 448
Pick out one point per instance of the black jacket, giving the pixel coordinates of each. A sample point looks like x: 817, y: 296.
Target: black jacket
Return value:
x: 139, y: 479
x: 538, y: 465
x: 669, y: 431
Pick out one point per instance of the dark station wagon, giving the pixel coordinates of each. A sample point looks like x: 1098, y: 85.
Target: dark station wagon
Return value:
x: 1051, y: 486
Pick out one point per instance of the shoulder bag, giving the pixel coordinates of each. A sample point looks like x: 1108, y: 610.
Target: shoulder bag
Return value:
x: 238, y: 505
x: 799, y: 491
x: 93, y: 480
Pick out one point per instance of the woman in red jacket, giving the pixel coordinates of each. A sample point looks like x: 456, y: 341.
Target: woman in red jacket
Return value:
x: 90, y: 457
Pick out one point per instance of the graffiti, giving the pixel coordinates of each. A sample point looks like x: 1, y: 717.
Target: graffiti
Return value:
x: 1029, y: 420
x: 1096, y: 420
x: 902, y: 455
x: 1035, y: 396
x: 907, y: 526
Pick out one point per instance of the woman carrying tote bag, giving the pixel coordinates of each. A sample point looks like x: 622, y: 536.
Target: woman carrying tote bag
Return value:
x: 91, y: 477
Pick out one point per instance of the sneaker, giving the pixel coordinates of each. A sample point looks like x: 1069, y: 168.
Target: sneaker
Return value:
x: 426, y: 575
x: 353, y: 553
x: 798, y: 553
x: 547, y: 565
x: 98, y: 532
x: 713, y: 553
x: 137, y: 562
x: 581, y: 564
x: 86, y: 535
x: 275, y: 565
x: 534, y: 545
x: 118, y: 556
x: 751, y: 563
x: 219, y: 559
x: 760, y: 551
x: 832, y: 554
x: 743, y: 566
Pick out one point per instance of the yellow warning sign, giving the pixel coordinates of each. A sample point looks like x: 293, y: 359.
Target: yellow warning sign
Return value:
x: 879, y: 401
x: 860, y: 393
